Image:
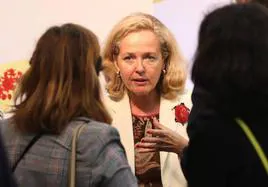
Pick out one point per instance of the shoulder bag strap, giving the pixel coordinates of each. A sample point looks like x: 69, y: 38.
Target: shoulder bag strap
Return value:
x: 254, y: 142
x: 72, y: 163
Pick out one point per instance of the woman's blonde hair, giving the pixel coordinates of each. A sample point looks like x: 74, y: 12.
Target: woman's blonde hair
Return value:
x: 172, y: 82
x: 61, y: 83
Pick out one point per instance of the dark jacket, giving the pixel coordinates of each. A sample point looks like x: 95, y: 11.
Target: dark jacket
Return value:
x: 219, y: 153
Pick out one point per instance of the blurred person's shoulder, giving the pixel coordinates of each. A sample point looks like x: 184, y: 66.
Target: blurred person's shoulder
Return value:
x: 97, y: 135
x: 98, y: 129
x: 100, y: 141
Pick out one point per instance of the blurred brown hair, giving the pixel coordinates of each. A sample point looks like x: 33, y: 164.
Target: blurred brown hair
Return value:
x: 61, y: 83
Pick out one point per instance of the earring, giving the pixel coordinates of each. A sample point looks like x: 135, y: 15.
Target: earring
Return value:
x: 164, y: 71
x: 118, y: 74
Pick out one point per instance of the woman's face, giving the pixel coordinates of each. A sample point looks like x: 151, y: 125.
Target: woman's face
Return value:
x: 140, y: 62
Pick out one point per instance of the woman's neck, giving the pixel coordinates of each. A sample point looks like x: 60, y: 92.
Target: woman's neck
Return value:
x: 145, y: 105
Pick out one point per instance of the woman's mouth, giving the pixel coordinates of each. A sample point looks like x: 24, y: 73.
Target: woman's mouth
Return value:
x: 140, y: 82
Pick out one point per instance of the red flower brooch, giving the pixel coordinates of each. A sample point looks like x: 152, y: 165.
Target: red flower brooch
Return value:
x: 8, y: 83
x: 181, y: 113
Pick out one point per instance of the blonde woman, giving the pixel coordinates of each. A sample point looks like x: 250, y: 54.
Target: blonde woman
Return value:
x: 146, y: 85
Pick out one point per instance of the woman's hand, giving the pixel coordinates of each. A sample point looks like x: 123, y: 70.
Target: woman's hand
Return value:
x: 163, y: 139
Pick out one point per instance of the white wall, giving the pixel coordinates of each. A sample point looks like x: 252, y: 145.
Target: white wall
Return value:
x: 23, y: 21
x: 183, y: 17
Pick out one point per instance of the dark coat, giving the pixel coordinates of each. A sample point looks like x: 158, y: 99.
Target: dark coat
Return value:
x: 219, y: 153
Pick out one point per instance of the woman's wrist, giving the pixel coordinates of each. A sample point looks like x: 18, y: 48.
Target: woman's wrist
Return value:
x: 184, y: 143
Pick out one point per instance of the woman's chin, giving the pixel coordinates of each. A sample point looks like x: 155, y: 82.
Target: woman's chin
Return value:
x: 141, y: 93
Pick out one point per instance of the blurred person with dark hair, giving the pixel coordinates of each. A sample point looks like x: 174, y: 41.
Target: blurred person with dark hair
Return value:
x: 230, y: 74
x: 59, y: 92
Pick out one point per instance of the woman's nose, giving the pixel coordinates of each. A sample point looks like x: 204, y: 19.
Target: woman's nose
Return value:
x: 140, y: 66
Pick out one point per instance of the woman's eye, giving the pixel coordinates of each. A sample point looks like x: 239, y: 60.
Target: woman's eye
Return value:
x: 151, y: 58
x: 127, y: 58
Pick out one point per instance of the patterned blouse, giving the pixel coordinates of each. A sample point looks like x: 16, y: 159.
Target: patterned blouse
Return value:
x: 147, y: 165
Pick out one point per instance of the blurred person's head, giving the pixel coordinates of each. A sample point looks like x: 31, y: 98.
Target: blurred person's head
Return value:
x: 61, y: 83
x: 146, y: 58
x: 231, y: 60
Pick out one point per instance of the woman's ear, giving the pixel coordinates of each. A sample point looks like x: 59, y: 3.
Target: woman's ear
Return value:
x: 164, y: 68
x: 116, y: 65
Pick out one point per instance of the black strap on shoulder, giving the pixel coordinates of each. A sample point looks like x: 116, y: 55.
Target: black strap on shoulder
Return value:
x: 31, y: 143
